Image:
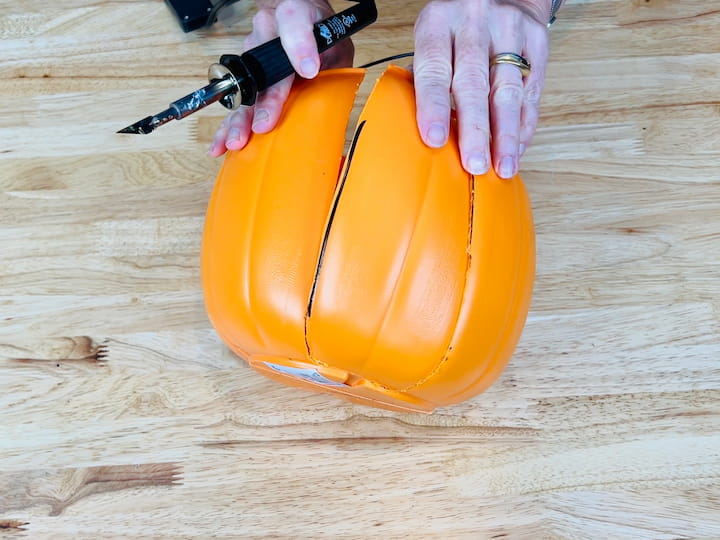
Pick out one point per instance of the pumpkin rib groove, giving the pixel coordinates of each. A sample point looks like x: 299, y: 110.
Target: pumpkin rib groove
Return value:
x: 213, y: 298
x: 393, y: 294
x: 249, y: 249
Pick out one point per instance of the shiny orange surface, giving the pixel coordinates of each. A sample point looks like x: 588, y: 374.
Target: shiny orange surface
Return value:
x: 403, y: 283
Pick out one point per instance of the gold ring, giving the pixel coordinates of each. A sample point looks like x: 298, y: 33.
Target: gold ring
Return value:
x: 513, y: 59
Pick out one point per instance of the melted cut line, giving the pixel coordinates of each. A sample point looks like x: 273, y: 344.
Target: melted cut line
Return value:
x: 348, y: 163
x: 471, y: 222
x: 469, y: 262
x: 513, y: 304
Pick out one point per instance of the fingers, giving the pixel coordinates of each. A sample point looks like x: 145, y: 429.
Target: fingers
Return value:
x: 432, y: 67
x: 233, y: 133
x: 536, y: 51
x: 217, y: 146
x: 470, y: 89
x: 497, y: 110
x: 235, y: 130
x: 295, y: 19
x: 506, y: 95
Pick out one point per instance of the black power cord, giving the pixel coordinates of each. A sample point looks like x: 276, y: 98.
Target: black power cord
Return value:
x: 387, y: 59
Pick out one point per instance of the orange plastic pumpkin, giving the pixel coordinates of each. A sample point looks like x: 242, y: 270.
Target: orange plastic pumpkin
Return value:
x: 400, y: 281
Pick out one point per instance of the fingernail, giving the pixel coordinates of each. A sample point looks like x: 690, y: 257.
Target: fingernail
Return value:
x: 308, y: 68
x: 261, y: 116
x: 507, y: 167
x: 233, y: 134
x: 477, y: 163
x: 521, y: 149
x: 437, y: 135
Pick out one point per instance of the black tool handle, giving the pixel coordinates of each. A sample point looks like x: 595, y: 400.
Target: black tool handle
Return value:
x: 267, y: 64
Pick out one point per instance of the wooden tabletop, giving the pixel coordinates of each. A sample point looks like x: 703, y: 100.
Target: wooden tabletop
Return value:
x: 122, y: 415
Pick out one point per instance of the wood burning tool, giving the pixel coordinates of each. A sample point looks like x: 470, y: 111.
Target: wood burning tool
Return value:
x: 237, y: 79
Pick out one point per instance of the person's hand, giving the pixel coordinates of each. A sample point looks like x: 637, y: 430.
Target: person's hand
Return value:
x: 293, y: 21
x: 497, y: 109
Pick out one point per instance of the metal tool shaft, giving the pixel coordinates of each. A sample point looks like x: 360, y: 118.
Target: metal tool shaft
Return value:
x: 185, y: 106
x: 203, y: 97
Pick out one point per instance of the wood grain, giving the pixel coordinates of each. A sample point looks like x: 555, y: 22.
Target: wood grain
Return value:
x: 123, y: 416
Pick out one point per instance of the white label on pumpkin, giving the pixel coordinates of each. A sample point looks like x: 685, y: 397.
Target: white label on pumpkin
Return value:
x: 311, y: 375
